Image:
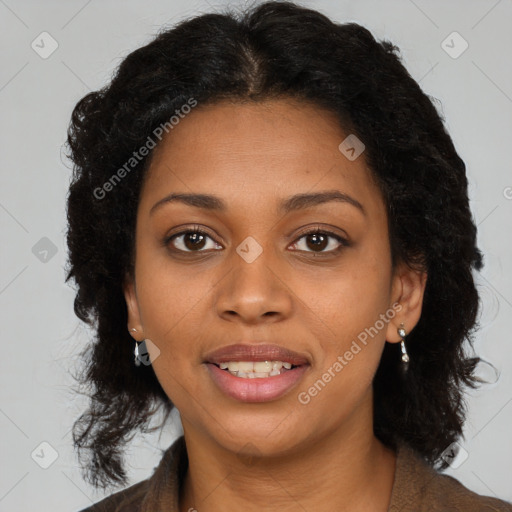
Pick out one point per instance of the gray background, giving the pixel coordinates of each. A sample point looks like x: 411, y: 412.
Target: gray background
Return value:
x: 40, y: 335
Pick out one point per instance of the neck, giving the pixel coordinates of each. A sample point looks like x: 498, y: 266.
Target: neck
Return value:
x: 348, y: 469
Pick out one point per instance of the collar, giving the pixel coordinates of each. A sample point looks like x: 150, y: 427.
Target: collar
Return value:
x: 412, y: 476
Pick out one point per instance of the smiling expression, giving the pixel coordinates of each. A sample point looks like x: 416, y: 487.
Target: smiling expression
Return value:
x: 253, y: 228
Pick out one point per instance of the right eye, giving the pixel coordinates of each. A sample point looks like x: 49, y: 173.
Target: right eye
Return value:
x: 191, y: 240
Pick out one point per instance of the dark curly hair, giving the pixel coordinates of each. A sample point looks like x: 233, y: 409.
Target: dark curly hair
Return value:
x: 274, y: 50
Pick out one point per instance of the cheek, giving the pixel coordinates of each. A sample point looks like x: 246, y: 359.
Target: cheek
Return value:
x: 169, y: 302
x: 345, y: 315
x: 169, y: 312
x: 351, y: 298
x: 168, y: 295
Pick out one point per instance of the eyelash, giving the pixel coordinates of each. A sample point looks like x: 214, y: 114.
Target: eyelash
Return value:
x: 315, y: 231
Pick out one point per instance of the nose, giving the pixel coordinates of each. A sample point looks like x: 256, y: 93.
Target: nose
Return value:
x: 255, y: 292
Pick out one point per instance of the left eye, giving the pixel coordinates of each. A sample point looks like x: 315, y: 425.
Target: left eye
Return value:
x: 319, y: 241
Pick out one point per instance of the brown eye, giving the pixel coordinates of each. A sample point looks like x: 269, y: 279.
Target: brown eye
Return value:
x: 191, y: 241
x: 318, y: 241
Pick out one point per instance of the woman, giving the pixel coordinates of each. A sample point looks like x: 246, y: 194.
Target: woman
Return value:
x: 269, y: 213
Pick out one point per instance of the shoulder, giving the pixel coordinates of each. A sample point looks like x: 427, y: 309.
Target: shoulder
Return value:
x: 127, y: 500
x: 159, y: 491
x: 418, y: 487
x: 447, y: 493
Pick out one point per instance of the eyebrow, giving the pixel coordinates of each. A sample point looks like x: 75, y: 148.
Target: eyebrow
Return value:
x: 293, y: 203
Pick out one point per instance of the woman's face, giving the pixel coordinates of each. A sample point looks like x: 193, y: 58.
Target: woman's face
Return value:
x: 256, y: 278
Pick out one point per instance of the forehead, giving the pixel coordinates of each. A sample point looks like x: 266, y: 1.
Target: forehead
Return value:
x: 249, y: 152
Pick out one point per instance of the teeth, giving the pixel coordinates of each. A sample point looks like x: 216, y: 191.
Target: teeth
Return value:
x: 243, y: 366
x: 255, y: 370
x: 263, y: 366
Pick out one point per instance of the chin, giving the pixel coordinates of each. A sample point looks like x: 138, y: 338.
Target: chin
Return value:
x: 255, y: 435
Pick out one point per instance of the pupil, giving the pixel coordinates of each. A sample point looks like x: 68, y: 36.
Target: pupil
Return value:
x: 320, y: 241
x: 196, y: 238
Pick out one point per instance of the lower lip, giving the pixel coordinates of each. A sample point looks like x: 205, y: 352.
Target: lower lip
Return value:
x: 263, y: 389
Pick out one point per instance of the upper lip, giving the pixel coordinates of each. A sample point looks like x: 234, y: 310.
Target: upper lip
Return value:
x: 251, y: 352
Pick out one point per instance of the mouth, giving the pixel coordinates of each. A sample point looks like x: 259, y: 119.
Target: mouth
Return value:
x: 256, y: 369
x: 256, y: 373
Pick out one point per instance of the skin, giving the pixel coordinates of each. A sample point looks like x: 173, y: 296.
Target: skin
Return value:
x: 279, y: 455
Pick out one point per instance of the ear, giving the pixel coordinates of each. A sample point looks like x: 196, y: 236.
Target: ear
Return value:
x: 408, y: 289
x: 132, y: 305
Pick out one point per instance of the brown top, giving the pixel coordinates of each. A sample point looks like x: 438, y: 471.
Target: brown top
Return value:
x: 417, y: 488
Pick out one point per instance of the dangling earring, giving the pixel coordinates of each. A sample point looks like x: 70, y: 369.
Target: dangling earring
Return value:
x: 405, y: 355
x: 136, y: 351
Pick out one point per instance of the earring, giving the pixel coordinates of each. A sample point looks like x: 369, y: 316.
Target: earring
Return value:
x: 136, y: 353
x: 405, y: 355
